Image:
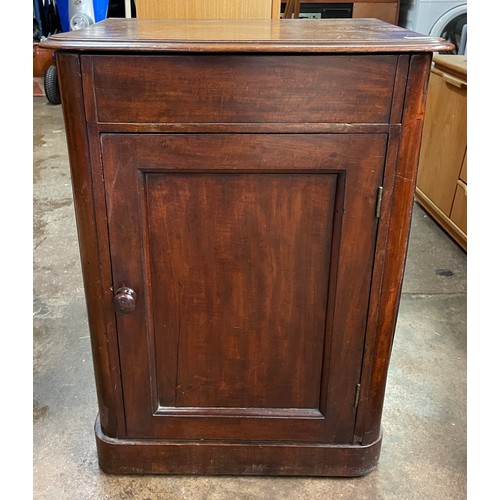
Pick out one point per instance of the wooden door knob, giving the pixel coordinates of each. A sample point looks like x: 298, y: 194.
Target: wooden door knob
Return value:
x: 124, y: 300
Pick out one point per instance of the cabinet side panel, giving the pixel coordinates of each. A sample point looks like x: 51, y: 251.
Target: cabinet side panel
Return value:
x: 377, y: 276
x: 372, y: 395
x: 104, y: 353
x: 398, y: 96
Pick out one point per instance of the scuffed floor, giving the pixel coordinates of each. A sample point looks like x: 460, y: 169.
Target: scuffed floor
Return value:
x: 424, y: 447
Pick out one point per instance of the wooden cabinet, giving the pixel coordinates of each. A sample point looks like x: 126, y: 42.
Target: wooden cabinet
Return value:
x: 243, y: 206
x: 384, y: 10
x: 203, y: 9
x: 442, y: 174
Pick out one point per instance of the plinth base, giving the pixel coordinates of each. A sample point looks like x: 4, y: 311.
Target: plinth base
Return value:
x: 157, y: 456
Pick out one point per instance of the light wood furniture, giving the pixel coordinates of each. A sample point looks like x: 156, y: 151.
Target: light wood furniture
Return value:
x: 385, y: 10
x: 442, y: 174
x: 207, y: 9
x: 243, y: 194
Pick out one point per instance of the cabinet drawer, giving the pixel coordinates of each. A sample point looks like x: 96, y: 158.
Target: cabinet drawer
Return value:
x: 246, y: 88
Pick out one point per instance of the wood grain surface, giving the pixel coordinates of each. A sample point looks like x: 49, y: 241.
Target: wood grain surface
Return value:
x: 243, y: 88
x: 228, y: 175
x: 203, y: 9
x: 288, y: 35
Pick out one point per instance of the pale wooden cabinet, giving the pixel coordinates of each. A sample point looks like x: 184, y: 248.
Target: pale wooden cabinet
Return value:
x: 385, y: 10
x: 203, y: 9
x: 442, y: 175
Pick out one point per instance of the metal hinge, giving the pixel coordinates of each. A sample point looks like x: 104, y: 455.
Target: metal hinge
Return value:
x: 378, y: 206
x: 356, y: 396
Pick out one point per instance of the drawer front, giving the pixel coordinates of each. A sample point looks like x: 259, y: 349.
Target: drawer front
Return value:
x: 243, y: 88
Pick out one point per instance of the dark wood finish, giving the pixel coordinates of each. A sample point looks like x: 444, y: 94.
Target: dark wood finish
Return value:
x: 259, y: 257
x: 42, y: 59
x: 94, y: 253
x: 265, y: 284
x: 288, y: 35
x: 393, y: 248
x: 147, y: 456
x: 274, y: 89
x: 292, y: 9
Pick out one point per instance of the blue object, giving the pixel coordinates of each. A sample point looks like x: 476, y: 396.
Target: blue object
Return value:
x: 100, y: 11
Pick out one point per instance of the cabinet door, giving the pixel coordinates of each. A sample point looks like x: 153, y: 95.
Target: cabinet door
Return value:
x: 251, y: 256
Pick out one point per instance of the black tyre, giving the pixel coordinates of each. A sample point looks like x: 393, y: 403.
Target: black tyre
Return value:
x: 51, y: 85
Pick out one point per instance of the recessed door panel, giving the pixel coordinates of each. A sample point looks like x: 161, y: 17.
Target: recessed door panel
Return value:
x: 238, y: 286
x: 251, y: 310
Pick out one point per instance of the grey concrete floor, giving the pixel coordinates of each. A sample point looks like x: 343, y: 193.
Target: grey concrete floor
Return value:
x: 424, y: 447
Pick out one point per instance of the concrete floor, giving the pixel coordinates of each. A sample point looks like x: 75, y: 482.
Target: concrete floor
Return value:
x: 424, y: 447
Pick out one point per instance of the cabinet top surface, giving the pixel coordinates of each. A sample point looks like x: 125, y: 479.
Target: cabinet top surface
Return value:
x: 288, y: 35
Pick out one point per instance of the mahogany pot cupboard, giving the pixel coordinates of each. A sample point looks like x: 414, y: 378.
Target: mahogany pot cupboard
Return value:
x: 243, y: 194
